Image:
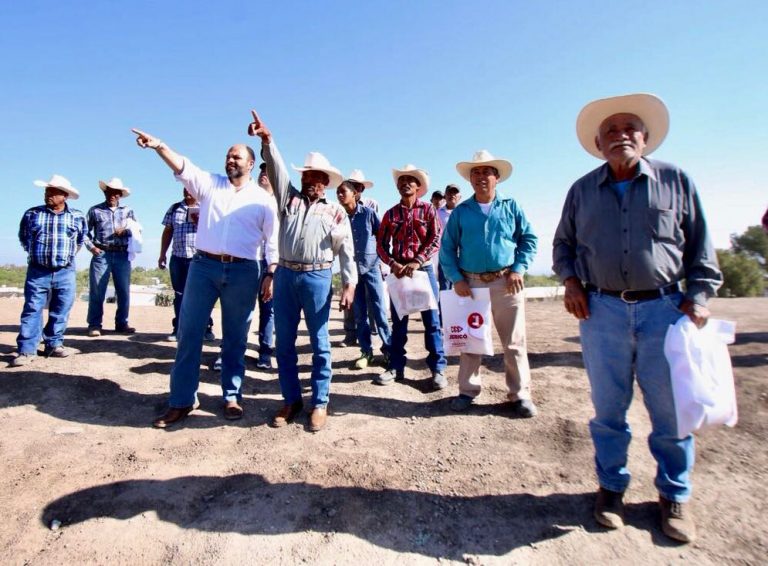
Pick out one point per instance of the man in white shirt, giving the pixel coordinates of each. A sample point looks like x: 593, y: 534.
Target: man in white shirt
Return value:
x: 236, y: 219
x: 452, y: 198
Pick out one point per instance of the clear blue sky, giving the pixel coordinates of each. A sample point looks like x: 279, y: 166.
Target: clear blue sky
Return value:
x: 374, y: 86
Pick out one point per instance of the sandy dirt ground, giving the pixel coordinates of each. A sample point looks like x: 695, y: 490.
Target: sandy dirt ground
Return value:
x: 396, y: 477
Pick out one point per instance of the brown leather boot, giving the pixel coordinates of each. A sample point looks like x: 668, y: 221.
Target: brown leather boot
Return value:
x: 677, y: 520
x: 318, y: 419
x: 609, y: 508
x: 286, y: 414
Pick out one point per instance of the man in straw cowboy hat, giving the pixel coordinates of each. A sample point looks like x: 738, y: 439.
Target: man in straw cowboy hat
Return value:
x: 370, y: 296
x: 312, y: 232
x: 408, y: 238
x: 236, y: 218
x: 51, y: 234
x: 108, y: 236
x: 489, y: 243
x: 631, y: 232
x: 359, y: 184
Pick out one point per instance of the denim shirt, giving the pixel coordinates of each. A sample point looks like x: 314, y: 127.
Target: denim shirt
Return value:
x: 365, y: 225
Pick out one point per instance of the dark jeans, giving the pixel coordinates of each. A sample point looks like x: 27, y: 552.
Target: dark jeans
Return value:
x: 266, y: 323
x: 179, y: 270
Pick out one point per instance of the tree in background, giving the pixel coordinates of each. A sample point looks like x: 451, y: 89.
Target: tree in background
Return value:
x: 754, y: 243
x: 743, y: 276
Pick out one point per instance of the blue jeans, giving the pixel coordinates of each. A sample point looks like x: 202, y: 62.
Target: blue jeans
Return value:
x: 433, y: 335
x: 236, y: 286
x: 103, y: 265
x: 42, y: 282
x: 266, y: 323
x: 443, y: 282
x: 369, y: 299
x: 310, y: 292
x: 179, y: 270
x: 622, y: 342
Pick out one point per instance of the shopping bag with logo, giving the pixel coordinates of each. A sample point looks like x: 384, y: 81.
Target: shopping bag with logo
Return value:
x: 410, y: 295
x: 467, y: 322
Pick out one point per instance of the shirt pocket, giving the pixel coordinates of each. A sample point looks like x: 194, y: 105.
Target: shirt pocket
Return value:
x: 663, y: 225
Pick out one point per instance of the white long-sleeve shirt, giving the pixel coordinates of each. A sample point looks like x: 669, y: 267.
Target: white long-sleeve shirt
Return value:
x: 234, y: 222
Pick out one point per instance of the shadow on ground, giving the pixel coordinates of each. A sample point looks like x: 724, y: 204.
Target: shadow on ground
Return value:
x: 404, y: 521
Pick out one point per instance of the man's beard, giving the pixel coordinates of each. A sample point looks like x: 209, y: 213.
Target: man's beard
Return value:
x: 235, y: 173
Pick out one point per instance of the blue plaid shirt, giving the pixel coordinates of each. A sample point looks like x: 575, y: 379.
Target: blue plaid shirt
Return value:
x: 102, y: 222
x: 52, y: 239
x: 184, y: 231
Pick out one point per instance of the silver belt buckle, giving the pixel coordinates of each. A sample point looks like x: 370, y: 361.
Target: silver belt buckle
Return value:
x: 623, y: 298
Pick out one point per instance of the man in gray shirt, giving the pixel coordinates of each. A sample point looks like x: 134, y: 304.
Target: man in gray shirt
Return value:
x: 631, y: 232
x: 312, y: 232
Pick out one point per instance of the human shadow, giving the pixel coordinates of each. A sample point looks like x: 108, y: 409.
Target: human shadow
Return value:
x: 749, y: 360
x: 751, y: 337
x: 405, y: 521
x: 84, y: 399
x: 560, y: 359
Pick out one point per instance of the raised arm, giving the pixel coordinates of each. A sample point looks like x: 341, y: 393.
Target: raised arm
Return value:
x: 171, y: 158
x: 276, y: 170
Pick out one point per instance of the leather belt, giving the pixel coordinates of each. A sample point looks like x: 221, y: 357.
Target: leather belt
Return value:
x: 298, y: 266
x: 223, y: 258
x: 112, y: 248
x: 488, y: 276
x: 633, y: 296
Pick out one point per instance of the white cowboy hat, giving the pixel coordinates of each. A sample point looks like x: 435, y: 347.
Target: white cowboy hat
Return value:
x: 420, y: 174
x: 648, y: 107
x: 358, y: 176
x: 115, y: 183
x: 484, y: 157
x: 59, y: 182
x: 315, y: 161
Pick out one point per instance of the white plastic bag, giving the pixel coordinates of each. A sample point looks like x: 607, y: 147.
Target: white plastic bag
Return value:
x: 702, y: 376
x: 410, y: 295
x: 467, y: 322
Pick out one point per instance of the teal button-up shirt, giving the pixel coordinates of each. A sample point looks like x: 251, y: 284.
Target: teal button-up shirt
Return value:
x: 478, y: 243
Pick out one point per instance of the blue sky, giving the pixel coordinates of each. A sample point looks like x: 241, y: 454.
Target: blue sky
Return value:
x: 374, y: 86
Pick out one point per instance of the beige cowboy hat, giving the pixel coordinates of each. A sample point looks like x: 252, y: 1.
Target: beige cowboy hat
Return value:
x: 358, y: 176
x: 59, y: 182
x: 315, y: 161
x: 115, y: 183
x: 419, y: 174
x: 484, y: 157
x: 648, y: 107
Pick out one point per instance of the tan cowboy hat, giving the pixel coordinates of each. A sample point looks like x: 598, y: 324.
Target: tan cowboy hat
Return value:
x: 420, y: 174
x: 648, y: 107
x: 315, y: 161
x: 59, y: 182
x: 358, y: 176
x: 115, y: 183
x: 484, y: 157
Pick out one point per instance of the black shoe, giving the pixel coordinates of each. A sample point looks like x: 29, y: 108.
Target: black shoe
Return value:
x: 609, y: 508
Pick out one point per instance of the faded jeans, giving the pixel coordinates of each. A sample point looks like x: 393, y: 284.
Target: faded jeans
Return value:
x: 622, y: 342
x: 40, y: 283
x: 103, y: 265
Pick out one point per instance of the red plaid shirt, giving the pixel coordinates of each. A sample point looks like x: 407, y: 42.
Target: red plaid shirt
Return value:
x: 413, y: 233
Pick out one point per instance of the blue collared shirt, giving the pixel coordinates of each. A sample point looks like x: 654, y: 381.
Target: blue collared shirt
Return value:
x: 102, y: 222
x: 52, y: 239
x: 651, y: 236
x: 478, y: 243
x: 365, y: 225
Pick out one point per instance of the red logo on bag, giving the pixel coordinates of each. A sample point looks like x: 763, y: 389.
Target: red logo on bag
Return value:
x: 475, y: 320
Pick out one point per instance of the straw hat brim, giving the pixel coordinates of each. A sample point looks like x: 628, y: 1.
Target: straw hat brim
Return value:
x: 648, y: 107
x: 503, y: 166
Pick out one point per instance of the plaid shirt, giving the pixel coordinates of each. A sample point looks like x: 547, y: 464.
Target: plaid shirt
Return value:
x: 52, y: 239
x: 184, y: 231
x: 414, y: 234
x: 102, y: 222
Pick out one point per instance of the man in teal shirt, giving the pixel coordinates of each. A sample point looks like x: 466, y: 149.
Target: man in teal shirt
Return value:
x: 489, y: 243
